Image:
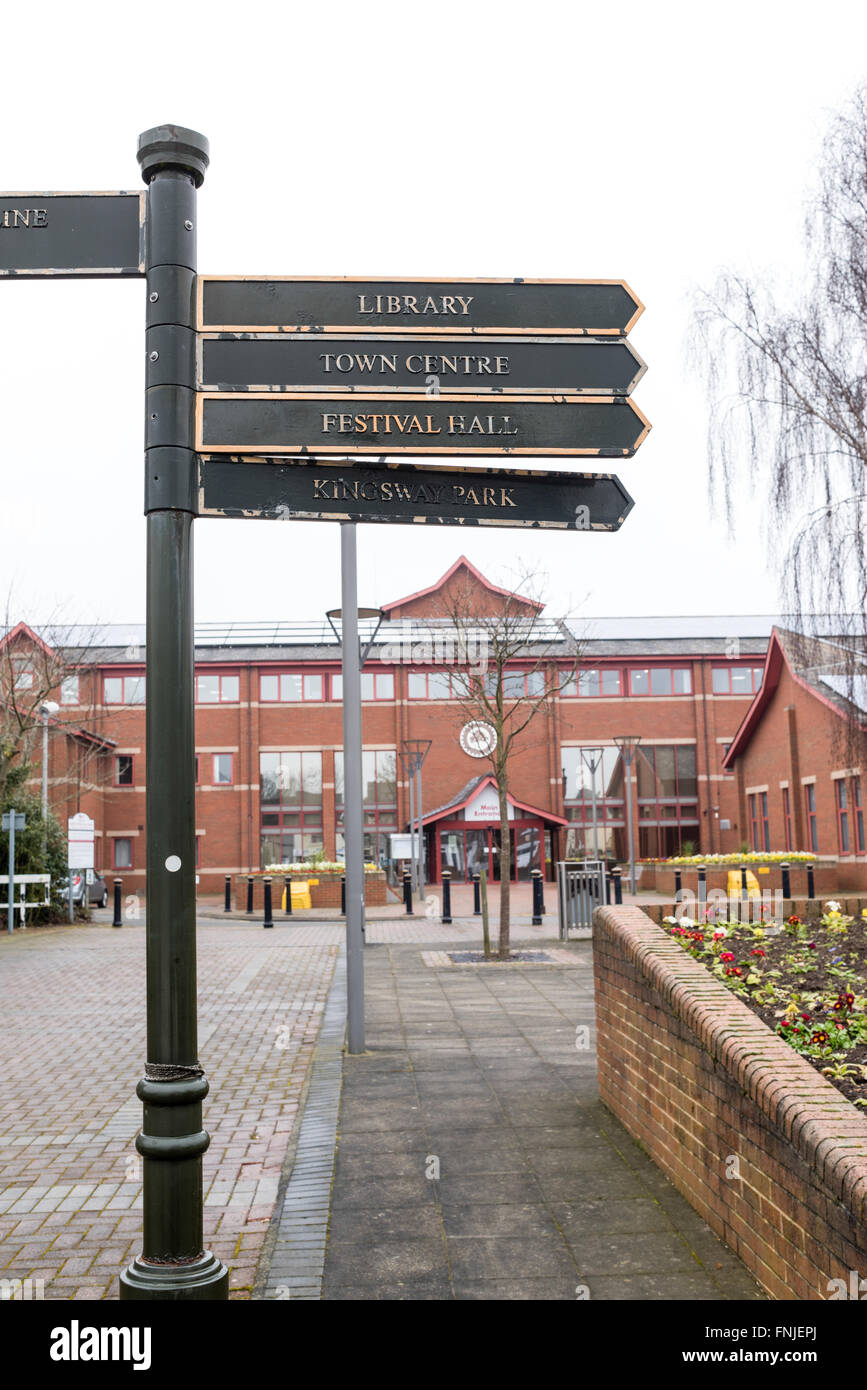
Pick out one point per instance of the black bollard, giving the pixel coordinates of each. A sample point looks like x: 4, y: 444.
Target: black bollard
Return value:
x: 617, y: 876
x: 811, y: 883
x: 117, y: 920
x: 269, y: 914
x: 250, y: 893
x: 537, y: 897
x: 745, y: 892
x: 407, y: 891
x: 702, y: 885
x: 227, y: 904
x: 787, y: 882
x: 343, y: 896
x: 477, y: 896
x: 288, y: 883
x: 608, y: 889
x: 447, y: 896
x: 678, y: 885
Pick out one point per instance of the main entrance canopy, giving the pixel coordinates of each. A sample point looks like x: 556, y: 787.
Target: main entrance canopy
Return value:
x: 464, y: 835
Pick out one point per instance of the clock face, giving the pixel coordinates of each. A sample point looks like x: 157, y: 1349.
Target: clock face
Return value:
x: 478, y: 739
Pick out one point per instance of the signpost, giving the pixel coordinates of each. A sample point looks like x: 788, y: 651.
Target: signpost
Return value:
x: 324, y: 362
x: 71, y: 234
x: 346, y: 304
x: 307, y: 490
x: 266, y: 422
x: 12, y: 821
x: 307, y: 375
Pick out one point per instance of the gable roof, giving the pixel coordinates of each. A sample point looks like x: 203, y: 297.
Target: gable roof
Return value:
x: 810, y: 663
x: 23, y: 630
x: 472, y: 789
x: 462, y: 563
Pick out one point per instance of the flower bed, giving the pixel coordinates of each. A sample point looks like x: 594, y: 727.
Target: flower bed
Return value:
x: 763, y: 1147
x: 807, y: 980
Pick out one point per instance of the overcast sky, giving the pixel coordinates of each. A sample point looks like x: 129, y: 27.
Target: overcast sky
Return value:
x: 654, y: 143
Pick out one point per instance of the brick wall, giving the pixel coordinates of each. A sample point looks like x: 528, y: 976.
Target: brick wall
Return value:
x: 698, y: 1080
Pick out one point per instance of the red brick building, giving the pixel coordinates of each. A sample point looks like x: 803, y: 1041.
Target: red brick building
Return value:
x: 269, y: 737
x: 797, y: 757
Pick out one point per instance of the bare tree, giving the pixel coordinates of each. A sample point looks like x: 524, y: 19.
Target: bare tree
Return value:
x: 509, y: 682
x: 787, y: 385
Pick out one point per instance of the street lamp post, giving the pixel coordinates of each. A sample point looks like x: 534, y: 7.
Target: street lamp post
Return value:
x: 48, y: 707
x: 352, y: 660
x: 413, y: 753
x: 592, y: 757
x: 628, y: 743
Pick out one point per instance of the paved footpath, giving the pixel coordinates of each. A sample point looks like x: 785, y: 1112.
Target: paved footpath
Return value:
x: 474, y: 1160
x: 72, y: 1003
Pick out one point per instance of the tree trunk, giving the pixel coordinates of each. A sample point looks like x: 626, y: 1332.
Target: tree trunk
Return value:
x: 505, y: 863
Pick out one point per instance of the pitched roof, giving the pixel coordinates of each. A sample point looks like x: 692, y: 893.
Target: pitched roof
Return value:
x: 471, y: 790
x: 462, y: 563
x: 814, y: 663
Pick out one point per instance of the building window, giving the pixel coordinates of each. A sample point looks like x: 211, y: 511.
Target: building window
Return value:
x: 124, y: 770
x: 379, y: 788
x: 581, y: 787
x: 22, y: 674
x: 217, y: 689
x: 668, y: 820
x: 69, y: 690
x: 859, y: 814
x: 222, y: 769
x: 291, y: 687
x: 787, y: 819
x: 122, y: 853
x: 516, y: 684
x: 375, y: 685
x: 291, y: 801
x: 841, y: 797
x: 429, y: 685
x: 736, y: 680
x: 660, y: 680
x: 594, y: 682
x: 812, y: 829
x: 124, y: 690
x: 759, y: 826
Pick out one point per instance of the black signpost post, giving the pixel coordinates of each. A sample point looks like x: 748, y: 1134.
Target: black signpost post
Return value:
x: 285, y: 398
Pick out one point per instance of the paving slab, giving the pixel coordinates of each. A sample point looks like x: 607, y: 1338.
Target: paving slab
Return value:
x: 475, y: 1161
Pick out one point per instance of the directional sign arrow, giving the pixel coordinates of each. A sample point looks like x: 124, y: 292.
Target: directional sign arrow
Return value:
x: 266, y: 423
x: 366, y: 362
x: 346, y: 304
x: 310, y: 490
x: 65, y: 234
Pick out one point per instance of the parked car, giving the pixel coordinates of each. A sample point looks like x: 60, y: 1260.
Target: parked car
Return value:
x: 97, y: 889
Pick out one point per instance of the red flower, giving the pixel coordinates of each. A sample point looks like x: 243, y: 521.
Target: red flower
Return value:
x: 805, y: 1017
x: 811, y: 945
x: 757, y: 951
x: 727, y: 955
x: 784, y: 1023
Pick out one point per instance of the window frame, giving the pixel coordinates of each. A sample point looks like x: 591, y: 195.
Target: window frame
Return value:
x: 755, y: 679
x: 649, y: 694
x: 811, y: 816
x: 843, y: 817
x: 124, y: 677
x: 127, y: 840
x: 787, y: 818
x: 303, y: 698
x: 74, y: 676
x: 132, y: 781
x: 221, y: 783
x: 220, y: 676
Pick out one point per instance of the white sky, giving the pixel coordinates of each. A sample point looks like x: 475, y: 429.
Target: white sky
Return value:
x: 653, y: 142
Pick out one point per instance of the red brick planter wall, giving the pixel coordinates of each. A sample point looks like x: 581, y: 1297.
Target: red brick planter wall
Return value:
x: 697, y: 1078
x: 831, y: 877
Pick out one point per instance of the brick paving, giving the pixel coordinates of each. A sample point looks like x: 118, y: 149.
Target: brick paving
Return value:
x: 72, y: 1000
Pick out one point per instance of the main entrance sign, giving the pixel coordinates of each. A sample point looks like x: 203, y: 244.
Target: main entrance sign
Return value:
x: 308, y: 490
x: 66, y: 234
x: 501, y: 365
x: 302, y: 423
x: 287, y: 304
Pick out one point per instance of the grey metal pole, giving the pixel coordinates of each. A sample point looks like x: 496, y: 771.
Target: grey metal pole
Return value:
x: 422, y: 876
x: 10, y: 893
x: 173, y: 1264
x: 413, y: 872
x: 44, y: 775
x: 593, y: 766
x: 353, y: 821
x: 629, y: 824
